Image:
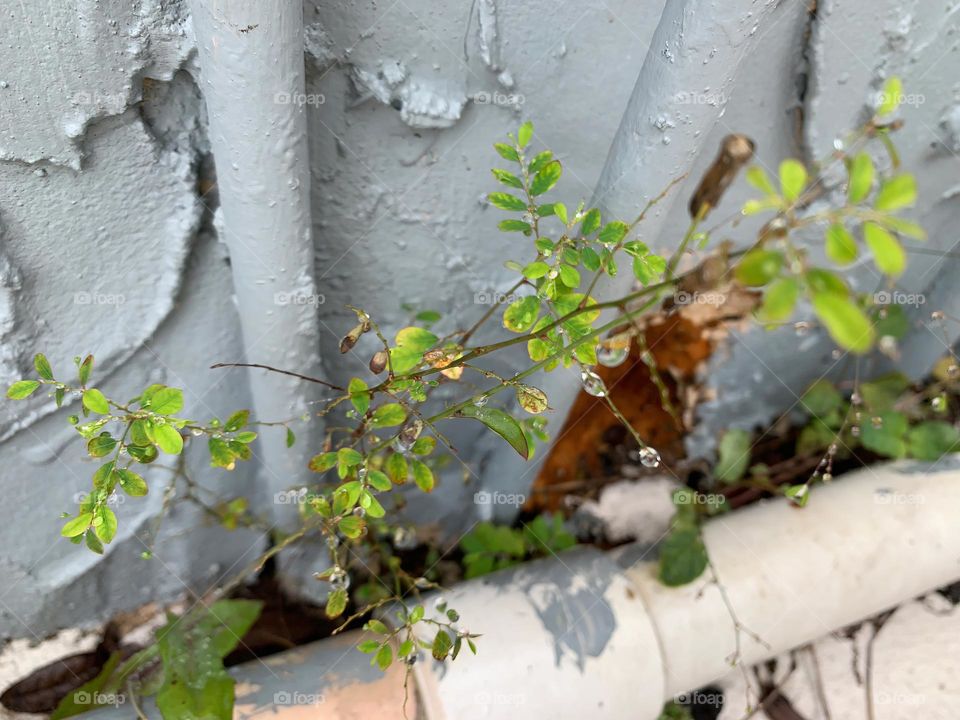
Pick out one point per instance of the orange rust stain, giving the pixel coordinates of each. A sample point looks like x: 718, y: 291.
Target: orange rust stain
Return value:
x: 678, y: 347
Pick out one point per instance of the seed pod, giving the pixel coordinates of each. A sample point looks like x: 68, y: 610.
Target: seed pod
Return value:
x: 735, y: 152
x: 378, y: 362
x: 350, y: 339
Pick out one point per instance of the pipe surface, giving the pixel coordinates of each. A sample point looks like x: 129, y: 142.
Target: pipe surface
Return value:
x: 579, y: 636
x: 252, y: 73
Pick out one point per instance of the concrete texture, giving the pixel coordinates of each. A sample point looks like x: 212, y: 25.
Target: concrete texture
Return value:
x: 105, y: 169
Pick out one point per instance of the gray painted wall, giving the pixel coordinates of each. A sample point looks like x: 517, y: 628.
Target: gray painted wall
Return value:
x: 108, y: 239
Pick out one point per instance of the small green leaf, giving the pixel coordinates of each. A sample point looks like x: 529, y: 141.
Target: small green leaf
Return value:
x: 22, y: 389
x: 539, y: 161
x: 133, y: 485
x: 388, y: 415
x: 236, y: 421
x: 379, y: 480
x: 396, y: 468
x: 861, y: 178
x: 888, y: 437
x: 888, y: 254
x: 42, y: 366
x: 442, y: 644
x: 683, y: 557
x: 384, y: 657
x: 502, y: 424
x: 546, y: 178
x: 514, y: 226
x: 359, y: 397
x: 77, y: 526
x: 506, y: 201
x: 758, y: 267
x: 591, y: 221
x: 166, y: 401
x: 84, y: 369
x: 793, y: 179
x: 524, y: 134
x: 890, y: 96
x: 734, y: 451
x: 840, y: 246
x: 336, y: 603
x: 569, y: 276
x: 821, y: 398
x: 613, y: 232
x: 106, y: 528
x: 291, y: 438
x: 507, y: 178
x: 94, y: 401
x: 167, y: 438
x: 758, y: 177
x: 422, y: 475
x: 932, y: 440
x: 847, y: 324
x: 424, y: 445
x: 532, y: 399
x: 507, y: 152
x: 779, y: 300
x: 521, y: 314
x: 351, y: 526
x: 322, y: 462
x: 898, y: 192
x: 536, y: 270
x: 101, y: 445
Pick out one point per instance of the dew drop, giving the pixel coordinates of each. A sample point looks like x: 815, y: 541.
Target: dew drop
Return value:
x: 939, y: 403
x: 855, y: 431
x: 611, y: 357
x: 876, y: 421
x: 480, y: 401
x: 359, y: 511
x: 592, y: 383
x: 649, y: 457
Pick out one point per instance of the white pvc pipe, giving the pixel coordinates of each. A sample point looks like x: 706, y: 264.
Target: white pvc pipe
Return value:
x: 589, y: 634
x: 252, y: 73
x: 578, y: 637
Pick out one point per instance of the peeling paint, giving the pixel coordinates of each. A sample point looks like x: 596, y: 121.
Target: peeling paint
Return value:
x: 422, y: 102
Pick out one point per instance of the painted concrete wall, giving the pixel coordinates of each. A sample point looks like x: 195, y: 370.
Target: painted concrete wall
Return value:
x: 108, y: 238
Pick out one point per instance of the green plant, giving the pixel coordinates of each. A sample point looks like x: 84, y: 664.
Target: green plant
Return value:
x: 488, y: 547
x: 391, y: 432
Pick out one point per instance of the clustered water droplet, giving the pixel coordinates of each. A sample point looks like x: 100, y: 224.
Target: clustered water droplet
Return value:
x: 592, y: 383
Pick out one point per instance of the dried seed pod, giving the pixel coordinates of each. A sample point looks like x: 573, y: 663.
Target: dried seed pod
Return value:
x: 350, y: 339
x: 378, y: 362
x: 735, y: 152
